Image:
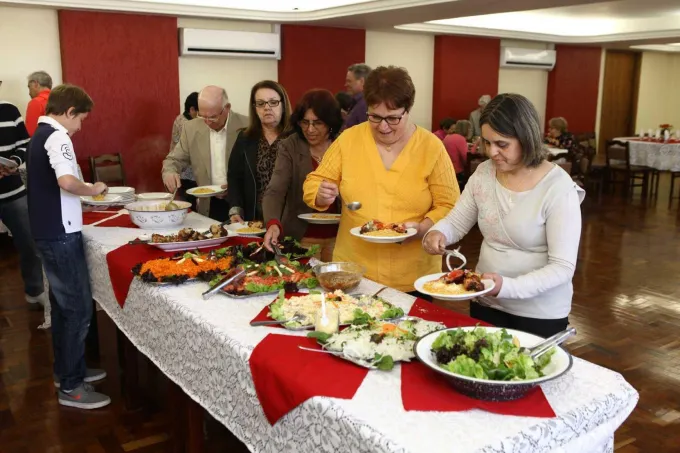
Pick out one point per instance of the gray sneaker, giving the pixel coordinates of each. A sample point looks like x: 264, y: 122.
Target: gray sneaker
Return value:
x: 91, y: 375
x: 83, y: 397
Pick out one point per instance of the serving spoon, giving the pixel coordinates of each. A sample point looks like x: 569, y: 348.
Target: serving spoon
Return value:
x: 354, y: 206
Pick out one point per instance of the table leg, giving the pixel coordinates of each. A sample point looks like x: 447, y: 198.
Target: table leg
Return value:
x: 188, y: 422
x: 131, y: 393
x: 109, y: 354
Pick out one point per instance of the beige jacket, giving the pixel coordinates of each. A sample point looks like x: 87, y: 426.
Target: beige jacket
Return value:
x: 193, y: 149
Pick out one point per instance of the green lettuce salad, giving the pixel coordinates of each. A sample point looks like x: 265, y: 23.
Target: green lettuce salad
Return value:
x: 482, y: 354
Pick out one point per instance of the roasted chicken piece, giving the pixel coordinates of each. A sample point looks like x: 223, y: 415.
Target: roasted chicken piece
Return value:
x: 217, y: 231
x: 158, y: 238
x: 372, y: 225
x: 398, y: 227
x: 456, y: 277
x: 472, y: 282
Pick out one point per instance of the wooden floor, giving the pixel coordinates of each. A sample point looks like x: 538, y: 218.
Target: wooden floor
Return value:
x: 626, y: 310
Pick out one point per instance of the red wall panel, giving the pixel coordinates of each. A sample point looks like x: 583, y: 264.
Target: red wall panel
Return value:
x: 573, y: 87
x: 128, y: 64
x: 318, y: 57
x: 465, y: 68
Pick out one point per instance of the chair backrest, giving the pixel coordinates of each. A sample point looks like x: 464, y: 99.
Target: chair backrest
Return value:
x: 107, y: 168
x: 566, y: 166
x: 617, y: 153
x: 473, y: 161
x: 586, y: 139
x: 586, y: 162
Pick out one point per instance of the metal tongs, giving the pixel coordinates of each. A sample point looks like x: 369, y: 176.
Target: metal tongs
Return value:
x: 455, y: 254
x: 222, y: 283
x: 546, y: 345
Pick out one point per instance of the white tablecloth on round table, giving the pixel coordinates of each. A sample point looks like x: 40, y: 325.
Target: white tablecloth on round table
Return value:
x: 204, y: 347
x: 660, y: 156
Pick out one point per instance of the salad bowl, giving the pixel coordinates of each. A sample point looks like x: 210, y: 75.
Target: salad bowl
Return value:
x: 494, y: 390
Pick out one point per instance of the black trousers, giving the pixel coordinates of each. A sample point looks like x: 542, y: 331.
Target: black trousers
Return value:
x: 219, y: 209
x: 182, y: 192
x: 542, y: 327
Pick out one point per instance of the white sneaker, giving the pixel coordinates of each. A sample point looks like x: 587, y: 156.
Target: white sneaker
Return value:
x: 39, y: 299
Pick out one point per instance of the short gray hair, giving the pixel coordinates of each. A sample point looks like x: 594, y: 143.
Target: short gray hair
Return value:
x: 43, y: 79
x: 513, y: 115
x: 360, y: 70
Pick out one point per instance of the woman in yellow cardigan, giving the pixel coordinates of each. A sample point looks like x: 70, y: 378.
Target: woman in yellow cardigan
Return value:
x: 399, y: 172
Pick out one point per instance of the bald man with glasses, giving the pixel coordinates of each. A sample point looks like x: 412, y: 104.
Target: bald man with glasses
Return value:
x: 205, y: 145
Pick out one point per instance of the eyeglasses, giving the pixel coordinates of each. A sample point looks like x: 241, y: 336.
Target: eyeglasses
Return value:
x: 211, y: 119
x: 316, y: 124
x: 272, y: 103
x: 391, y: 120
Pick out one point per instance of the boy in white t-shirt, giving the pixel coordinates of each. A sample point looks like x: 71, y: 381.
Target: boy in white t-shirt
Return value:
x: 56, y: 218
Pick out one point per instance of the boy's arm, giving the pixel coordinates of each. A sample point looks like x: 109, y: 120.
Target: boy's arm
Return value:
x: 60, y: 152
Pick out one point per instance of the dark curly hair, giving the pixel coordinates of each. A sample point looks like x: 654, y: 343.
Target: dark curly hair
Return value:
x: 325, y: 107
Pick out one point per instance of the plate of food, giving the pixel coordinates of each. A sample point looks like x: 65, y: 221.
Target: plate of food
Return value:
x: 320, y: 218
x: 253, y: 228
x: 458, y: 284
x: 101, y: 199
x: 377, y: 344
x: 352, y: 309
x: 183, y: 267
x: 488, y: 362
x: 383, y: 233
x: 190, y: 239
x: 206, y: 191
x: 9, y: 163
x: 268, y: 278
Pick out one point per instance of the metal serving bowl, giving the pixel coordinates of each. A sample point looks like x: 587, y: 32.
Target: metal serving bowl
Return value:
x: 342, y: 276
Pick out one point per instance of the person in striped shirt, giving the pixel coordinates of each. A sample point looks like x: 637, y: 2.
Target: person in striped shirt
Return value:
x: 13, y: 201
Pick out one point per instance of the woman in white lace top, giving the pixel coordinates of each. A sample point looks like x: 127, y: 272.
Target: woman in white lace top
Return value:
x: 528, y: 211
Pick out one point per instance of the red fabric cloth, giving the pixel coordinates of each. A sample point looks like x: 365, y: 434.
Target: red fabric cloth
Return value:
x: 457, y: 149
x: 121, y: 261
x: 285, y: 376
x: 425, y: 390
x: 123, y: 221
x: 322, y: 231
x: 36, y: 109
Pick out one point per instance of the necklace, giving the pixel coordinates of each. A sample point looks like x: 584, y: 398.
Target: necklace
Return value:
x: 317, y: 159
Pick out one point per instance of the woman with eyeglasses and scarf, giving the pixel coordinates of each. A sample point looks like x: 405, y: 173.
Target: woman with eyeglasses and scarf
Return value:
x: 398, y: 171
x: 252, y: 159
x: 317, y: 119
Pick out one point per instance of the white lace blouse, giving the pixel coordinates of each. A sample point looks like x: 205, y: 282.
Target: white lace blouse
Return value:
x: 530, y: 238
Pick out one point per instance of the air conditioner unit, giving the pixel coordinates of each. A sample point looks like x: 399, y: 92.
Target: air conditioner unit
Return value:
x: 226, y: 43
x: 514, y: 57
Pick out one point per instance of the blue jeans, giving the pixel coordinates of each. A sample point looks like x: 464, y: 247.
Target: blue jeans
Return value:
x: 14, y: 215
x: 71, y: 301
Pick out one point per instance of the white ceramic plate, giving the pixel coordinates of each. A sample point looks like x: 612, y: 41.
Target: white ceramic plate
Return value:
x: 420, y: 286
x: 410, y: 232
x: 234, y: 227
x: 154, y: 196
x: 189, y: 245
x: 216, y: 190
x: 8, y: 163
x: 109, y: 199
x: 325, y: 219
x: 124, y: 191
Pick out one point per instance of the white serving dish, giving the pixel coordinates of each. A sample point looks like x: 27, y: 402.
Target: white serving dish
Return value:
x: 121, y: 190
x: 333, y: 219
x: 189, y: 245
x: 151, y: 214
x: 486, y: 389
x: 420, y: 287
x: 109, y: 199
x: 410, y: 232
x: 234, y: 227
x: 154, y: 196
x: 216, y: 190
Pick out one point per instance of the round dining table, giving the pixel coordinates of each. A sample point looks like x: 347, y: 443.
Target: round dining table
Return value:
x: 654, y: 153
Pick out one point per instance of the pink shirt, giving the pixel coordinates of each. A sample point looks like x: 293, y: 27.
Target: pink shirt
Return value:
x: 456, y: 146
x: 441, y: 133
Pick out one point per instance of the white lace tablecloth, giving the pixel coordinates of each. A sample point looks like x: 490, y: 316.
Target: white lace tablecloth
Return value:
x: 204, y: 347
x: 660, y: 156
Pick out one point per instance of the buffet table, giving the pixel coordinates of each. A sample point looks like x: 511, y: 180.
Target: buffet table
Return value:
x: 657, y: 155
x: 204, y: 347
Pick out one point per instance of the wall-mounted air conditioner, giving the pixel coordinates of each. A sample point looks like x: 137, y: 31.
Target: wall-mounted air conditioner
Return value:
x: 225, y: 43
x: 514, y: 57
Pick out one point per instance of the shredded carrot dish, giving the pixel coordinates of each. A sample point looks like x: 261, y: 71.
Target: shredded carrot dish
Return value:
x: 165, y: 267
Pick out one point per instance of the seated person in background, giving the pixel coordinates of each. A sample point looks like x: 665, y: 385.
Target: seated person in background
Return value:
x: 558, y: 136
x: 457, y: 147
x: 205, y: 144
x: 187, y: 177
x: 252, y: 162
x: 477, y: 113
x: 346, y: 102
x: 445, y: 126
x: 316, y: 122
x: 56, y: 220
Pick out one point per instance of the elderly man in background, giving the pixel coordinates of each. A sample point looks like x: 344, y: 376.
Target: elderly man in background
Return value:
x: 354, y: 82
x: 39, y: 87
x: 477, y: 113
x: 205, y: 144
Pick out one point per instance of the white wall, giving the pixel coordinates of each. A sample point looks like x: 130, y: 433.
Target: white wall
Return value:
x: 659, y: 95
x: 29, y: 41
x: 531, y: 83
x: 415, y: 52
x: 236, y: 75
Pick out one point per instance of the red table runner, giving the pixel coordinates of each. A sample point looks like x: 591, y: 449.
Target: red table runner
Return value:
x: 285, y: 376
x: 115, y: 220
x: 121, y: 261
x: 425, y: 390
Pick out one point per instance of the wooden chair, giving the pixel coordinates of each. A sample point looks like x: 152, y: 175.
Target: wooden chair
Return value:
x: 472, y: 162
x: 107, y: 168
x: 618, y: 163
x: 587, y: 176
x: 586, y: 139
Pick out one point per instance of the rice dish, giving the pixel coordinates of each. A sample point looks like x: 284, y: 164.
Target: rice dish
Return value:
x: 384, y: 233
